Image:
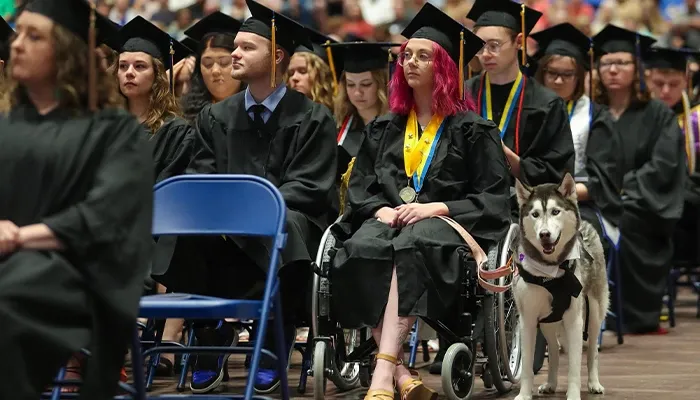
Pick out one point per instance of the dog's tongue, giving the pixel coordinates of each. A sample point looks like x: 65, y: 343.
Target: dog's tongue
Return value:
x: 548, y: 248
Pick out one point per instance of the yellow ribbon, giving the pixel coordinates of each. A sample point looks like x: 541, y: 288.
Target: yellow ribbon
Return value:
x: 416, y: 150
x: 509, y: 101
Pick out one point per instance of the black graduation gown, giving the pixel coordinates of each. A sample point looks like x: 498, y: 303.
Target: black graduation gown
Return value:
x: 89, y: 179
x: 686, y: 237
x: 652, y: 199
x: 172, y: 148
x: 347, y: 150
x: 602, y: 174
x: 468, y: 173
x: 296, y: 151
x: 546, y: 148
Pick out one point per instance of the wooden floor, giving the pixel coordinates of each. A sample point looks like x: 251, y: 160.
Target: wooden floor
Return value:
x: 643, y: 368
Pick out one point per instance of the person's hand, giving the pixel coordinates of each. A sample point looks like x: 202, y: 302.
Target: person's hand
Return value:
x: 184, y: 69
x: 387, y: 215
x: 411, y: 213
x: 9, y: 237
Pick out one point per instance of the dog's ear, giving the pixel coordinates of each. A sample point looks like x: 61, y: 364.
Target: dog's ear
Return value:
x: 567, y: 187
x: 522, y: 192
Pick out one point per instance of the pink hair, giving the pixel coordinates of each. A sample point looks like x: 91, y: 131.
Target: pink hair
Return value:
x: 446, y: 100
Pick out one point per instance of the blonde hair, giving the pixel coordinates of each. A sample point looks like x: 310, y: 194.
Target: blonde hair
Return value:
x: 162, y: 103
x: 343, y: 108
x: 71, y: 79
x: 320, y: 78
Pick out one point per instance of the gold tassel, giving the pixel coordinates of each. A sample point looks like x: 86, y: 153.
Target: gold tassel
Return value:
x: 273, y: 66
x: 344, y: 183
x: 172, y: 67
x: 461, y: 65
x: 331, y: 63
x: 522, y: 27
x: 591, y: 92
x: 92, y: 60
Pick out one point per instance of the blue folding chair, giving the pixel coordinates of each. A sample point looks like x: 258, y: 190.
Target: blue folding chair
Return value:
x: 234, y: 205
x: 612, y: 234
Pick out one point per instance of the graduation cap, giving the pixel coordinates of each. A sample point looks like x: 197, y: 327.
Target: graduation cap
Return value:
x: 433, y: 24
x: 286, y: 33
x: 505, y: 13
x: 317, y: 40
x: 565, y: 40
x: 5, y: 33
x: 214, y: 23
x: 81, y: 18
x: 613, y: 39
x: 191, y: 44
x: 140, y: 35
x: 666, y: 58
x: 358, y: 57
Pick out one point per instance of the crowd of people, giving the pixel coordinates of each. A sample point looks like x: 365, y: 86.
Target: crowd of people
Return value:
x: 395, y: 122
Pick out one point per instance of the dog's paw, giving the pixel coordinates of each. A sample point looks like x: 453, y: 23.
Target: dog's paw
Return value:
x: 523, y: 397
x: 595, y: 388
x: 573, y: 395
x: 546, y: 389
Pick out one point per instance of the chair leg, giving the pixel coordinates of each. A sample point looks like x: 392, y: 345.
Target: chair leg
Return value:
x: 413, y: 343
x: 186, y: 359
x: 137, y: 366
x: 306, y: 363
x: 426, y: 350
x: 56, y: 391
x: 155, y: 358
x: 282, y: 361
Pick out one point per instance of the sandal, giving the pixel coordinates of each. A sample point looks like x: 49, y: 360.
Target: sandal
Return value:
x: 414, y: 389
x: 379, y: 394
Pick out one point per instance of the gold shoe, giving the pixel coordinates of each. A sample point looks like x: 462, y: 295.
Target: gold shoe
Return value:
x: 414, y: 389
x: 379, y: 394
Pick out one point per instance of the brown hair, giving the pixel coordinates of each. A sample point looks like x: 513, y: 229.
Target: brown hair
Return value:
x: 321, y: 79
x: 601, y: 94
x: 580, y: 88
x: 72, y: 84
x: 162, y: 104
x: 344, y: 108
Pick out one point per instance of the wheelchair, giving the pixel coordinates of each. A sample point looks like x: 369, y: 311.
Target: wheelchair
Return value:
x: 490, y: 319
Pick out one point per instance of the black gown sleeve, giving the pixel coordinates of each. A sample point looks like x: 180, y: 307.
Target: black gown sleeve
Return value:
x: 656, y: 188
x: 604, y: 165
x: 552, y: 152
x: 203, y: 160
x: 122, y: 186
x: 173, y: 148
x: 485, y: 209
x: 310, y: 175
x: 365, y: 194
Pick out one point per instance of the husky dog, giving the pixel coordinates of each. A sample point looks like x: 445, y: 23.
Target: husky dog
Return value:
x: 561, y: 266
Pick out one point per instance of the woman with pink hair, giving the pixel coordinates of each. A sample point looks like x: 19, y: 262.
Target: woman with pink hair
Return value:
x: 430, y: 156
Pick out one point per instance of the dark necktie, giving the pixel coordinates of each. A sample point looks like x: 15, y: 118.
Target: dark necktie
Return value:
x: 258, y: 110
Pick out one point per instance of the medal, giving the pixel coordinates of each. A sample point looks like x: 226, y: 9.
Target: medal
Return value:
x: 408, y: 195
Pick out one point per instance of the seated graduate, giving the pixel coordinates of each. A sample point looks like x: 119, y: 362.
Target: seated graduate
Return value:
x: 431, y: 156
x: 211, y: 81
x: 310, y: 72
x: 6, y: 33
x: 362, y: 97
x: 668, y: 81
x: 654, y: 175
x: 278, y: 134
x: 564, y: 59
x: 75, y: 206
x: 144, y: 56
x: 532, y: 119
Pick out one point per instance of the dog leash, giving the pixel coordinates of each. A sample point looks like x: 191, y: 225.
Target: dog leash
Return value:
x: 482, y: 260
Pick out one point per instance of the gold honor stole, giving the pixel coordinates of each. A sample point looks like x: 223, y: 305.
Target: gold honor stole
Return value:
x: 419, y: 152
x: 487, y: 107
x: 691, y: 131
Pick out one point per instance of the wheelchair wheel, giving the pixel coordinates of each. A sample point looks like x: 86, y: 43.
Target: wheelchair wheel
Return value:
x: 346, y: 375
x: 319, y: 370
x: 508, y: 319
x: 458, y: 372
x: 496, y: 373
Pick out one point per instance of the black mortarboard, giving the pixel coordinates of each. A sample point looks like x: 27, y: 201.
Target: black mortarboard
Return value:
x: 665, y: 58
x: 73, y: 15
x: 613, y: 39
x: 317, y: 39
x: 503, y: 13
x: 360, y: 57
x: 432, y: 24
x: 191, y: 44
x: 288, y: 33
x: 216, y: 22
x: 139, y: 35
x: 564, y: 40
x: 460, y: 43
x: 6, y: 32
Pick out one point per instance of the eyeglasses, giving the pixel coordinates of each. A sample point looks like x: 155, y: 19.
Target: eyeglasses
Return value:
x: 421, y: 58
x: 493, y: 47
x: 605, y: 65
x: 552, y: 75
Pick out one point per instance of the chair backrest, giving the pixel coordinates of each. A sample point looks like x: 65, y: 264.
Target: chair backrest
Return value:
x: 237, y: 205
